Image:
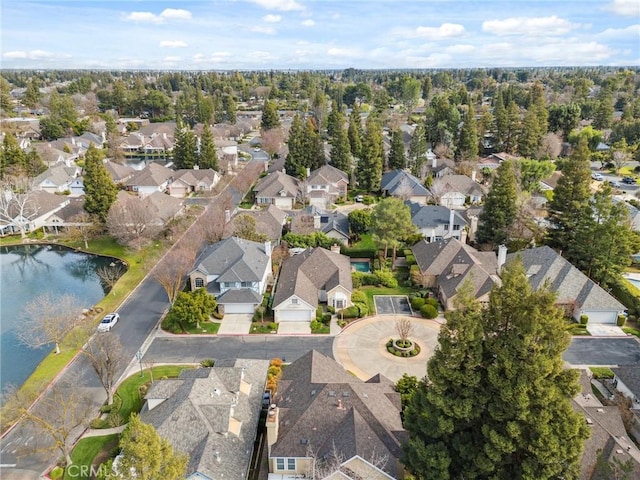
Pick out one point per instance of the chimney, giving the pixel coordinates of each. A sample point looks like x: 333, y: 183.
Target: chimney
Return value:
x: 434, y: 162
x: 267, y: 248
x: 473, y: 228
x: 196, y: 167
x: 502, y: 256
x: 272, y: 426
x: 266, y: 165
x: 452, y: 215
x: 284, y: 170
x: 473, y: 175
x: 308, y: 172
x: 227, y: 215
x: 335, y: 248
x: 316, y: 221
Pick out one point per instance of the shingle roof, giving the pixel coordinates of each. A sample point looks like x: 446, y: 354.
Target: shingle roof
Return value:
x: 327, y: 175
x: 302, y: 221
x: 630, y: 376
x: 269, y: 221
x: 570, y: 284
x: 273, y: 184
x: 58, y: 175
x: 323, y: 407
x: 235, y: 260
x: 424, y: 216
x: 195, y: 416
x: 153, y: 175
x: 310, y: 271
x: 396, y: 182
x: 118, y: 171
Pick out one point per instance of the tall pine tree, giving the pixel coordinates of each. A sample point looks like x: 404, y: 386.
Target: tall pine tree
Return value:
x: 369, y: 171
x: 468, y: 138
x: 397, y: 159
x: 499, y: 212
x: 340, y: 156
x: 185, y: 148
x: 100, y: 191
x: 497, y: 401
x: 270, y: 117
x: 355, y: 131
x: 418, y: 150
x: 208, y: 157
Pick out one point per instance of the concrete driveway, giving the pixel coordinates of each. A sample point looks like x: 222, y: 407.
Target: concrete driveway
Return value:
x: 235, y: 324
x: 360, y: 347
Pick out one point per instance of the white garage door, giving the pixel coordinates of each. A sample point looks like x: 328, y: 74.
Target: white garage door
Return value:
x: 239, y: 308
x: 602, y: 317
x: 293, y: 316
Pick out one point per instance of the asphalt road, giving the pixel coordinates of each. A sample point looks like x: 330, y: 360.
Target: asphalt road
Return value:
x: 602, y: 351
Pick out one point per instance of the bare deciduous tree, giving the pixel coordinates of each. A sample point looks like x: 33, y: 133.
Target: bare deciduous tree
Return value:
x: 48, y: 319
x: 173, y: 268
x: 82, y: 228
x: 109, y: 275
x: 60, y: 414
x: 272, y: 140
x: 17, y: 205
x: 620, y: 158
x: 131, y: 223
x: 437, y: 189
x: 327, y: 465
x: 107, y: 358
x: 404, y: 328
x: 551, y: 145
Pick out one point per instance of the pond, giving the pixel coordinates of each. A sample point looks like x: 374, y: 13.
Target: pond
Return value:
x: 29, y: 271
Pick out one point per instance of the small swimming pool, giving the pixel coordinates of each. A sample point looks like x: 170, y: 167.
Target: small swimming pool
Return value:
x: 634, y: 282
x: 361, y: 266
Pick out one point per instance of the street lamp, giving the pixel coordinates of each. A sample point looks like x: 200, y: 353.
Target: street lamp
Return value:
x: 139, y: 357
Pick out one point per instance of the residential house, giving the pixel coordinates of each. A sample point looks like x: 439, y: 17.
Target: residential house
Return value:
x: 269, y: 222
x: 551, y: 182
x: 236, y: 271
x: 446, y: 265
x: 119, y: 172
x: 494, y: 160
x: 401, y: 184
x: 308, y: 279
x: 312, y: 219
x: 455, y: 191
x: 634, y: 216
x: 152, y: 178
x: 211, y: 414
x: 437, y: 223
x: 133, y: 143
x: 325, y: 185
x: 162, y: 208
x: 52, y: 156
x: 278, y: 189
x: 322, y: 412
x: 188, y: 181
x: 608, y: 439
x: 439, y: 167
x: 66, y: 217
x: 321, y: 409
x: 227, y: 153
x: 29, y: 211
x: 627, y: 381
x: 576, y: 293
x: 57, y: 178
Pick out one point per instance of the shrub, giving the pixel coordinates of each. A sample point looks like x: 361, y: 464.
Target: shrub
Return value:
x: 258, y: 315
x: 363, y: 309
x: 217, y: 315
x: 331, y: 309
x: 96, y: 423
x: 584, y: 319
x: 276, y: 362
x: 628, y: 295
x: 417, y: 303
x: 207, y: 363
x: 56, y: 473
x: 386, y: 278
x: 350, y: 312
x: 428, y: 311
x: 106, y: 408
x: 358, y: 297
x: 274, y: 371
x: 315, y: 325
x: 411, y: 260
x: 326, y: 318
x: 406, y: 252
x: 621, y: 320
x: 432, y: 301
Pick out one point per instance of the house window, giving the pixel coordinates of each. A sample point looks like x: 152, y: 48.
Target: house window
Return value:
x: 339, y: 303
x: 294, y: 301
x: 279, y: 463
x: 286, y: 464
x: 456, y: 227
x: 291, y: 463
x: 229, y: 284
x: 199, y: 283
x: 446, y: 228
x: 246, y: 284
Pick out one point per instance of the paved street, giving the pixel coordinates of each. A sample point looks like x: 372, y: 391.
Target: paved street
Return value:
x: 594, y: 351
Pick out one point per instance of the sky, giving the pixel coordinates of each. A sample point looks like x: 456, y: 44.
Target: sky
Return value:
x: 317, y: 34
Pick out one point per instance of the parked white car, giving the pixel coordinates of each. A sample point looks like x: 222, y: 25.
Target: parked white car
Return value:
x: 597, y: 176
x: 108, y: 322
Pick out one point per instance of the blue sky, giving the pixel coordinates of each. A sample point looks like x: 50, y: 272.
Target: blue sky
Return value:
x: 320, y: 34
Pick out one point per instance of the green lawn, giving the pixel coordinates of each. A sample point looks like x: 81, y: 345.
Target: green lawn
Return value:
x: 86, y: 451
x: 631, y: 331
x: 322, y: 329
x: 205, y: 327
x: 370, y: 292
x: 266, y: 327
x: 601, y: 372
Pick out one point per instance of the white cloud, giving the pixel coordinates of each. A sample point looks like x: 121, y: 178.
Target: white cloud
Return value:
x: 172, y: 59
x: 628, y: 32
x: 143, y: 17
x: 530, y: 26
x: 308, y: 23
x: 173, y: 44
x: 167, y: 14
x: 33, y: 55
x: 341, y: 52
x: 272, y: 18
x: 460, y: 49
x: 262, y: 29
x: 627, y: 8
x: 446, y: 30
x: 176, y: 13
x: 284, y: 5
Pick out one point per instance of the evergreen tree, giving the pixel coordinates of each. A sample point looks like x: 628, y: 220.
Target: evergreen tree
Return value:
x: 497, y: 401
x: 604, y: 113
x: 501, y: 120
x: 335, y: 120
x: 314, y: 147
x: 369, y: 171
x: 12, y: 157
x: 100, y: 191
x: 294, y: 163
x: 208, y: 157
x: 426, y: 87
x: 31, y: 97
x: 499, y: 212
x: 340, y: 150
x: 468, y: 139
x: 606, y: 241
x: 34, y: 165
x: 397, y: 159
x: 391, y: 223
x: 510, y: 142
x: 7, y: 106
x: 270, y: 117
x: 185, y: 148
x: 230, y: 108
x: 570, y: 196
x: 417, y: 150
x: 355, y: 131
x: 530, y: 135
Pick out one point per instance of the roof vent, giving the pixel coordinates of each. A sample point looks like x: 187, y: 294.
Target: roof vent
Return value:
x: 313, y: 392
x: 589, y: 421
x: 600, y: 410
x: 332, y: 393
x: 216, y: 391
x: 304, y: 441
